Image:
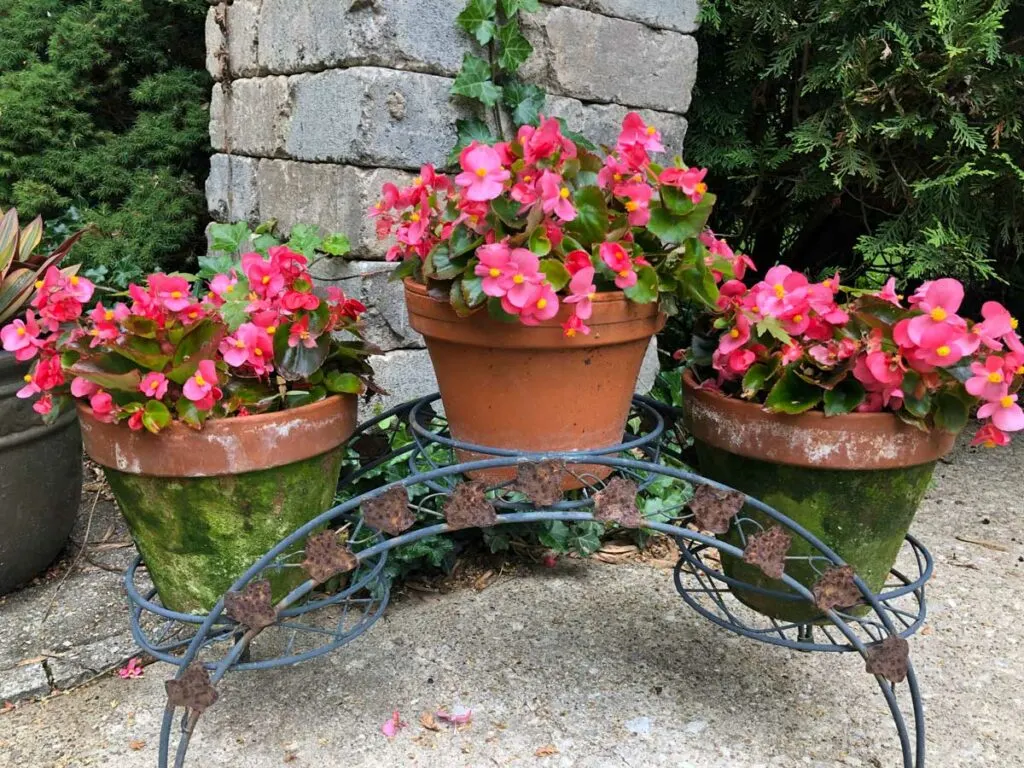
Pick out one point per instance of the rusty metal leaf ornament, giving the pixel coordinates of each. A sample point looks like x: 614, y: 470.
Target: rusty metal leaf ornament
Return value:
x: 371, y: 447
x: 889, y: 659
x: 467, y: 507
x: 252, y: 606
x: 326, y: 557
x: 193, y: 690
x: 389, y: 512
x: 541, y: 482
x: 767, y: 550
x: 616, y: 503
x: 713, y: 510
x: 836, y: 589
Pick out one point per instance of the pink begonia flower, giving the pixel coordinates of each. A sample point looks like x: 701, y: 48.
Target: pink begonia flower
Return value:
x: 393, y: 725
x: 583, y: 291
x: 83, y: 387
x: 689, y: 180
x: 80, y: 289
x: 781, y: 291
x: 998, y: 325
x: 132, y: 670
x: 459, y: 716
x: 638, y: 204
x: 888, y: 293
x: 388, y: 200
x: 734, y: 364
x: 483, y: 176
x: 43, y: 405
x: 412, y: 231
x: 46, y: 375
x: 821, y: 298
x: 259, y: 346
x: 990, y: 436
x: 22, y: 337
x: 619, y: 262
x: 265, y: 279
x: 494, y: 262
x: 542, y: 306
x: 173, y: 293
x: 1004, y: 412
x: 299, y: 334
x: 522, y: 276
x: 577, y: 260
x: 293, y: 301
x: 555, y: 196
x: 222, y: 284
x: 1013, y: 364
x: 544, y: 141
x: 59, y: 298
x: 154, y: 384
x: 102, y: 405
x: 613, y: 172
x: 735, y: 337
x: 575, y: 325
x: 202, y: 382
x: 135, y: 421
x: 731, y: 293
x: 796, y: 321
x: 525, y: 191
x: 989, y: 381
x: 939, y: 300
x: 791, y: 352
x: 636, y: 132
x: 288, y: 262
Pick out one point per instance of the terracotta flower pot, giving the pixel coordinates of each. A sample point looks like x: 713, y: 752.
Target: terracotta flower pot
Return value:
x: 203, y: 506
x: 514, y: 387
x: 854, y: 481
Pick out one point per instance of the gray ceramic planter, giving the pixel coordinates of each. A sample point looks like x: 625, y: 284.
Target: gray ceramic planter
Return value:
x: 40, y: 481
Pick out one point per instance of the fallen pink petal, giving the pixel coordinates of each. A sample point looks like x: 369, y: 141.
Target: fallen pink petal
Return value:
x: 459, y: 716
x: 131, y: 670
x: 392, y: 726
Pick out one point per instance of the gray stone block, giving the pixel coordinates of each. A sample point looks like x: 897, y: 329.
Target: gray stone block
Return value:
x: 600, y: 59
x: 418, y: 35
x: 233, y: 55
x: 387, y: 321
x: 231, y: 191
x: 677, y: 15
x: 250, y: 116
x: 372, y: 117
x: 406, y: 374
x: 25, y: 682
x: 602, y: 123
x: 334, y: 198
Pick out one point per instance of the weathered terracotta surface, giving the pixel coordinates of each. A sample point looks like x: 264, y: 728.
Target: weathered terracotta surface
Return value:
x: 853, y: 441
x: 223, y: 446
x: 509, y: 386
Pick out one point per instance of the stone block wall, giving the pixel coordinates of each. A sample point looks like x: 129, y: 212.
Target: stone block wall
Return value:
x: 318, y: 102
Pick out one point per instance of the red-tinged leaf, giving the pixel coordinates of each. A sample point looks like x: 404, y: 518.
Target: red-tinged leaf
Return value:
x: 144, y: 352
x: 119, y: 382
x: 30, y: 237
x: 14, y: 292
x: 9, y: 235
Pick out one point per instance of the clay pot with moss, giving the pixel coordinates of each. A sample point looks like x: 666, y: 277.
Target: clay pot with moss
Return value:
x: 855, y: 481
x: 204, y: 505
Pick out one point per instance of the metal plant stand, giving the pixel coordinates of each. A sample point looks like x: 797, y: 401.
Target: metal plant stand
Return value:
x: 405, y: 464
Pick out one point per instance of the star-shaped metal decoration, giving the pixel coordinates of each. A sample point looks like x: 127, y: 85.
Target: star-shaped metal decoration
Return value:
x: 389, y: 512
x: 468, y: 507
x: 252, y: 606
x: 616, y: 503
x: 192, y: 690
x: 713, y: 510
x: 541, y: 482
x: 836, y: 589
x: 767, y: 550
x: 326, y: 557
x: 889, y: 659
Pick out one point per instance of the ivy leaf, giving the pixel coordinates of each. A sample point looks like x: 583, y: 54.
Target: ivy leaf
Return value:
x: 478, y: 20
x: 791, y: 394
x: 305, y: 239
x: 515, y: 49
x: 844, y: 397
x: 585, y: 538
x: 336, y: 244
x: 556, y: 273
x: 474, y: 81
x: 469, y: 131
x: 646, y: 289
x: 229, y: 238
x: 525, y: 101
x: 512, y: 7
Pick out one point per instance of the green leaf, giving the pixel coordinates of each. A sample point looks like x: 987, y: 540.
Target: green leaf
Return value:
x: 585, y: 537
x: 478, y: 19
x: 234, y: 310
x: 951, y: 412
x: 155, y: 416
x: 525, y: 101
x: 336, y: 244
x: 463, y: 240
x: 591, y: 223
x: 556, y: 273
x: 406, y: 269
x: 515, y: 49
x: 919, y: 407
x: 755, y: 379
x: 189, y: 414
x: 458, y: 301
x: 791, y: 394
x: 676, y: 229
x: 470, y: 130
x: 439, y: 265
x: 555, y: 535
x: 343, y: 383
x: 507, y: 209
x: 512, y: 7
x: 474, y: 81
x: 200, y: 342
x: 495, y: 311
x: 229, y: 238
x: 298, y: 362
x: 305, y: 239
x: 646, y: 289
x: 698, y: 283
x: 844, y: 397
x: 144, y: 352
x: 473, y: 291
x: 772, y: 327
x: 539, y: 242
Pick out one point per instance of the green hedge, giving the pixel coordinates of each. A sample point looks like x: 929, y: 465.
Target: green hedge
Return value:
x: 103, y: 120
x: 875, y: 135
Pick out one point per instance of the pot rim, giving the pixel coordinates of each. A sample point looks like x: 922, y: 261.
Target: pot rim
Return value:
x: 228, y: 446
x: 853, y: 441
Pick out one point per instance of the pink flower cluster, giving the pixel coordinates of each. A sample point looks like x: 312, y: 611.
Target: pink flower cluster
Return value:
x: 917, y: 350
x: 163, y: 318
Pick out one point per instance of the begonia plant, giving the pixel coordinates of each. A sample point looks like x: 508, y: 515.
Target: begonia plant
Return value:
x: 251, y: 336
x: 529, y: 225
x: 794, y: 345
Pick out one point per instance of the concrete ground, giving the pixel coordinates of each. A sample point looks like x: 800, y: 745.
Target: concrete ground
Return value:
x: 599, y: 665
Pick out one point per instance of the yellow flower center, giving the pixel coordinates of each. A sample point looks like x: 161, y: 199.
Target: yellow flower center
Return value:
x: 780, y: 290
x: 415, y: 217
x: 473, y: 219
x: 756, y: 310
x: 193, y: 315
x: 632, y: 205
x: 701, y: 188
x: 624, y: 273
x: 527, y: 179
x: 1006, y: 402
x: 154, y: 385
x: 302, y: 335
x: 617, y: 176
x: 74, y: 280
x: 735, y: 333
x: 518, y: 279
x: 108, y: 315
x: 995, y: 377
x: 798, y: 318
x: 943, y: 351
x: 28, y: 378
x: 651, y: 130
x: 258, y: 352
x: 1014, y: 323
x: 253, y: 296
x: 239, y: 344
x: 200, y: 381
x: 590, y: 296
x: 271, y: 329
x: 939, y: 314
x: 564, y: 193
x: 39, y: 284
x: 94, y: 332
x: 494, y: 272
x: 265, y: 279
x: 541, y: 303
x: 21, y: 331
x: 570, y: 333
x: 637, y: 178
x: 379, y: 206
x: 175, y: 294
x: 1020, y: 371
x: 481, y: 172
x: 418, y: 181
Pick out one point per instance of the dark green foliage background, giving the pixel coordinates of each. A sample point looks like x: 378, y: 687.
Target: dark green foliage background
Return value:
x: 103, y: 120
x: 874, y: 135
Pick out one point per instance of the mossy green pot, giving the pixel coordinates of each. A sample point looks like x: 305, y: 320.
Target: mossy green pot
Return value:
x: 854, y: 481
x: 203, y: 506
